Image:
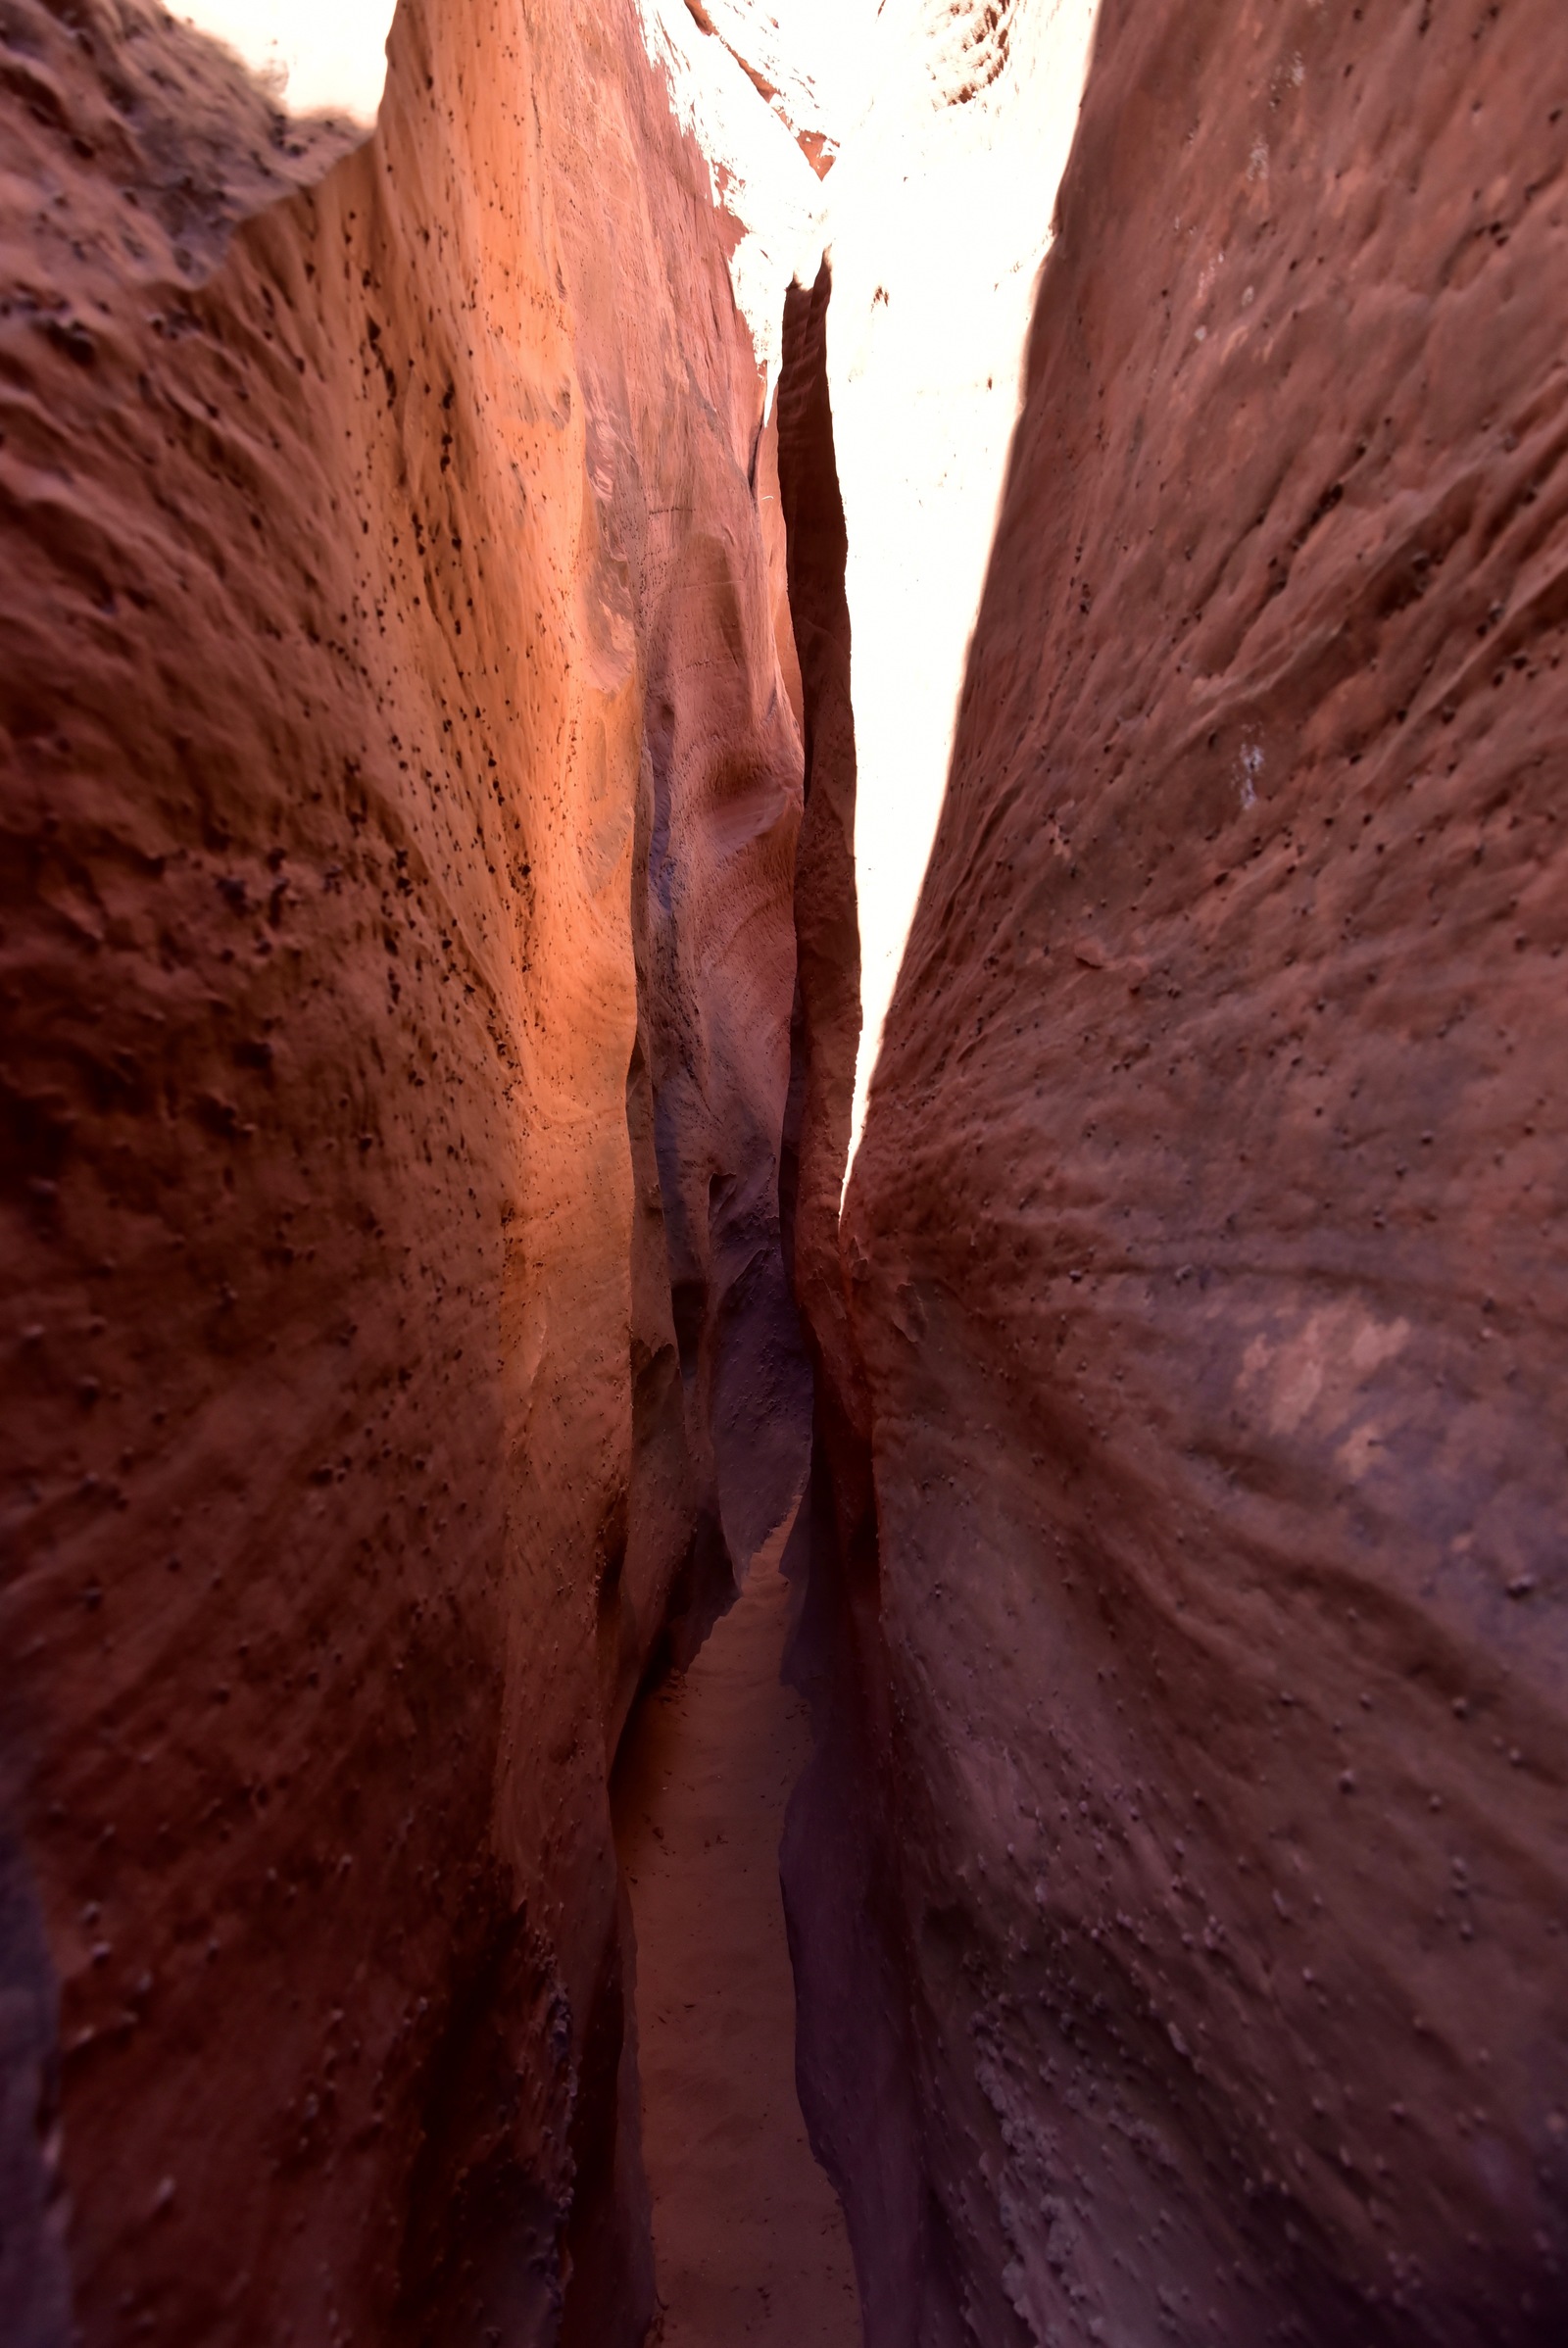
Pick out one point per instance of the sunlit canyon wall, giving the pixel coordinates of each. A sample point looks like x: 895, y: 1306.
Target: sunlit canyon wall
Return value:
x: 1177, y: 1892
x: 400, y: 801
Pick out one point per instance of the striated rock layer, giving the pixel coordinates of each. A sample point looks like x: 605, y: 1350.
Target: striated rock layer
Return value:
x: 1198, y: 1570
x: 400, y: 794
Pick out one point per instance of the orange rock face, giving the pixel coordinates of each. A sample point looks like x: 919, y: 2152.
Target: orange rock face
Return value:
x: 400, y: 794
x: 1200, y: 1974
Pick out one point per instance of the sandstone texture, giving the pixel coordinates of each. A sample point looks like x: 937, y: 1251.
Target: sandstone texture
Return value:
x: 825, y: 1021
x: 400, y: 789
x: 1186, y: 1613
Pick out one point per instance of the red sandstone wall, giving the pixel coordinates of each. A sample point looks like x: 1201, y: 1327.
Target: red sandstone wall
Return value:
x: 853, y: 2064
x: 389, y: 685
x: 827, y: 1016
x: 1206, y: 1257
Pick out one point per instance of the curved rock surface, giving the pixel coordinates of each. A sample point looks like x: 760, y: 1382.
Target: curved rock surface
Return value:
x: 1198, y: 1581
x: 400, y: 798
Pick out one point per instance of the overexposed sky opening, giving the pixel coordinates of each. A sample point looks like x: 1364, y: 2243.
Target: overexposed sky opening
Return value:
x: 941, y: 218
x: 951, y: 126
x: 314, y: 56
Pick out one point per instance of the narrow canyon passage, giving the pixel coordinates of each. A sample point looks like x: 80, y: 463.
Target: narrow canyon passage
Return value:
x: 746, y: 748
x: 748, y: 2240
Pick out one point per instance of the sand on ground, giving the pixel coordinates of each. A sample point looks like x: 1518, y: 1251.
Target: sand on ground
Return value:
x: 749, y: 2238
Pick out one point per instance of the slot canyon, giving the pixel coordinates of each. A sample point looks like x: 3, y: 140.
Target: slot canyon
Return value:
x: 785, y: 1232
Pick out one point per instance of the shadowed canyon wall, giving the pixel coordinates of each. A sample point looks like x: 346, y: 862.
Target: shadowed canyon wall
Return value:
x: 400, y: 800
x: 1179, y: 1888
x: 432, y: 975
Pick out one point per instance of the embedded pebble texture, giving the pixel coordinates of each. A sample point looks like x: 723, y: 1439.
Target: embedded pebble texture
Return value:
x: 1196, y: 1586
x: 400, y: 792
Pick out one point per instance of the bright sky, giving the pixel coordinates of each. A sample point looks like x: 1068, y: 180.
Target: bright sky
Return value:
x: 318, y: 56
x: 818, y: 54
x: 940, y: 217
x: 937, y: 215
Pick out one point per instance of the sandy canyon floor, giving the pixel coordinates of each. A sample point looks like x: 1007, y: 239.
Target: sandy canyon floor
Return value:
x: 749, y: 2238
